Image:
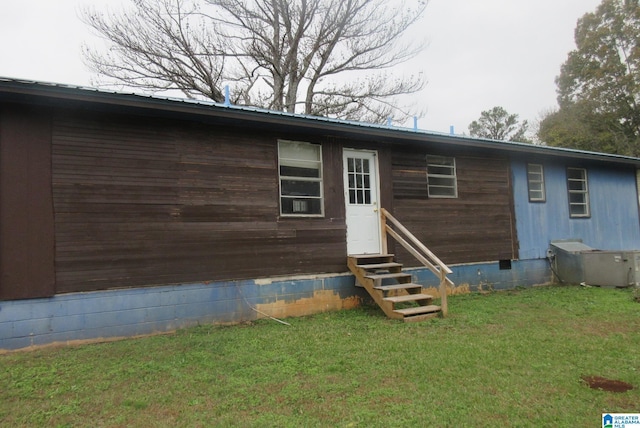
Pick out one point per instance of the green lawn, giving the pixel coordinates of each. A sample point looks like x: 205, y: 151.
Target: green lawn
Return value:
x: 502, y: 359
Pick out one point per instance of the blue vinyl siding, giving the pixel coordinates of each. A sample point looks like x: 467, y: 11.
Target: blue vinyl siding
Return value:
x: 614, y: 223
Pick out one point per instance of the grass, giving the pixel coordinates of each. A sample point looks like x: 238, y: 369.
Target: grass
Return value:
x: 507, y: 358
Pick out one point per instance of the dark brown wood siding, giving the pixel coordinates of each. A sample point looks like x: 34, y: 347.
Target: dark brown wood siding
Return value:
x: 143, y: 202
x: 26, y: 207
x: 476, y: 226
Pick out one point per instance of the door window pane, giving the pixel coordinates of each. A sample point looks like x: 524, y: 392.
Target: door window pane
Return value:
x: 359, y: 181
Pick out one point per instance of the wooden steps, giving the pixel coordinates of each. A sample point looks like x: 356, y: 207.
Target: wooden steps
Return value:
x: 419, y: 310
x: 389, y: 287
x: 408, y: 298
x: 394, y: 287
x: 381, y: 266
x: 401, y: 277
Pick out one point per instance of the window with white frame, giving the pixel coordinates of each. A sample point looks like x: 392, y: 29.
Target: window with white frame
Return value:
x: 441, y: 177
x: 535, y: 181
x: 300, y: 170
x: 578, y: 192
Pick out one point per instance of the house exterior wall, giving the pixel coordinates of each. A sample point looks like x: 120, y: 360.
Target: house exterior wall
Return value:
x: 109, y: 314
x: 475, y: 226
x: 119, y: 222
x: 487, y: 276
x: 142, y: 202
x: 26, y: 207
x: 614, y: 223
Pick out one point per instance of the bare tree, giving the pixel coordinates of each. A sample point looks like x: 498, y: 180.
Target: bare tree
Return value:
x: 322, y: 57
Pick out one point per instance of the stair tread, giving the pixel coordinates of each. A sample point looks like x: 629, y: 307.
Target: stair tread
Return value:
x: 369, y: 256
x: 418, y: 310
x: 387, y: 275
x: 421, y: 317
x: 397, y: 286
x: 408, y: 298
x: 380, y: 265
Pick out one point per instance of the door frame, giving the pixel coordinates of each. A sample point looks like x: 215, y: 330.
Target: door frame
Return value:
x: 376, y: 165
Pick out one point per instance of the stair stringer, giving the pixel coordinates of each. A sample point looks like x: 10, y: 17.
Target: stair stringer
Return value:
x: 369, y: 285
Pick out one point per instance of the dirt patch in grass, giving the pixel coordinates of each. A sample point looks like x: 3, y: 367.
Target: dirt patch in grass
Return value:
x: 604, y: 384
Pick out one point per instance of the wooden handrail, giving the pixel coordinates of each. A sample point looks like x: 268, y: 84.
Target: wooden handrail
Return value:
x: 417, y: 249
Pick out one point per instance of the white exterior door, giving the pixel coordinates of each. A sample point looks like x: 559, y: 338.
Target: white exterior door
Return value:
x: 361, y: 201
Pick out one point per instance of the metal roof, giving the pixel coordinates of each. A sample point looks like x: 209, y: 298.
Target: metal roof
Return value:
x: 21, y: 90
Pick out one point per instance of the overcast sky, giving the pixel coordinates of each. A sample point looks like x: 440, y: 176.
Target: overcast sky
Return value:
x: 480, y: 54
